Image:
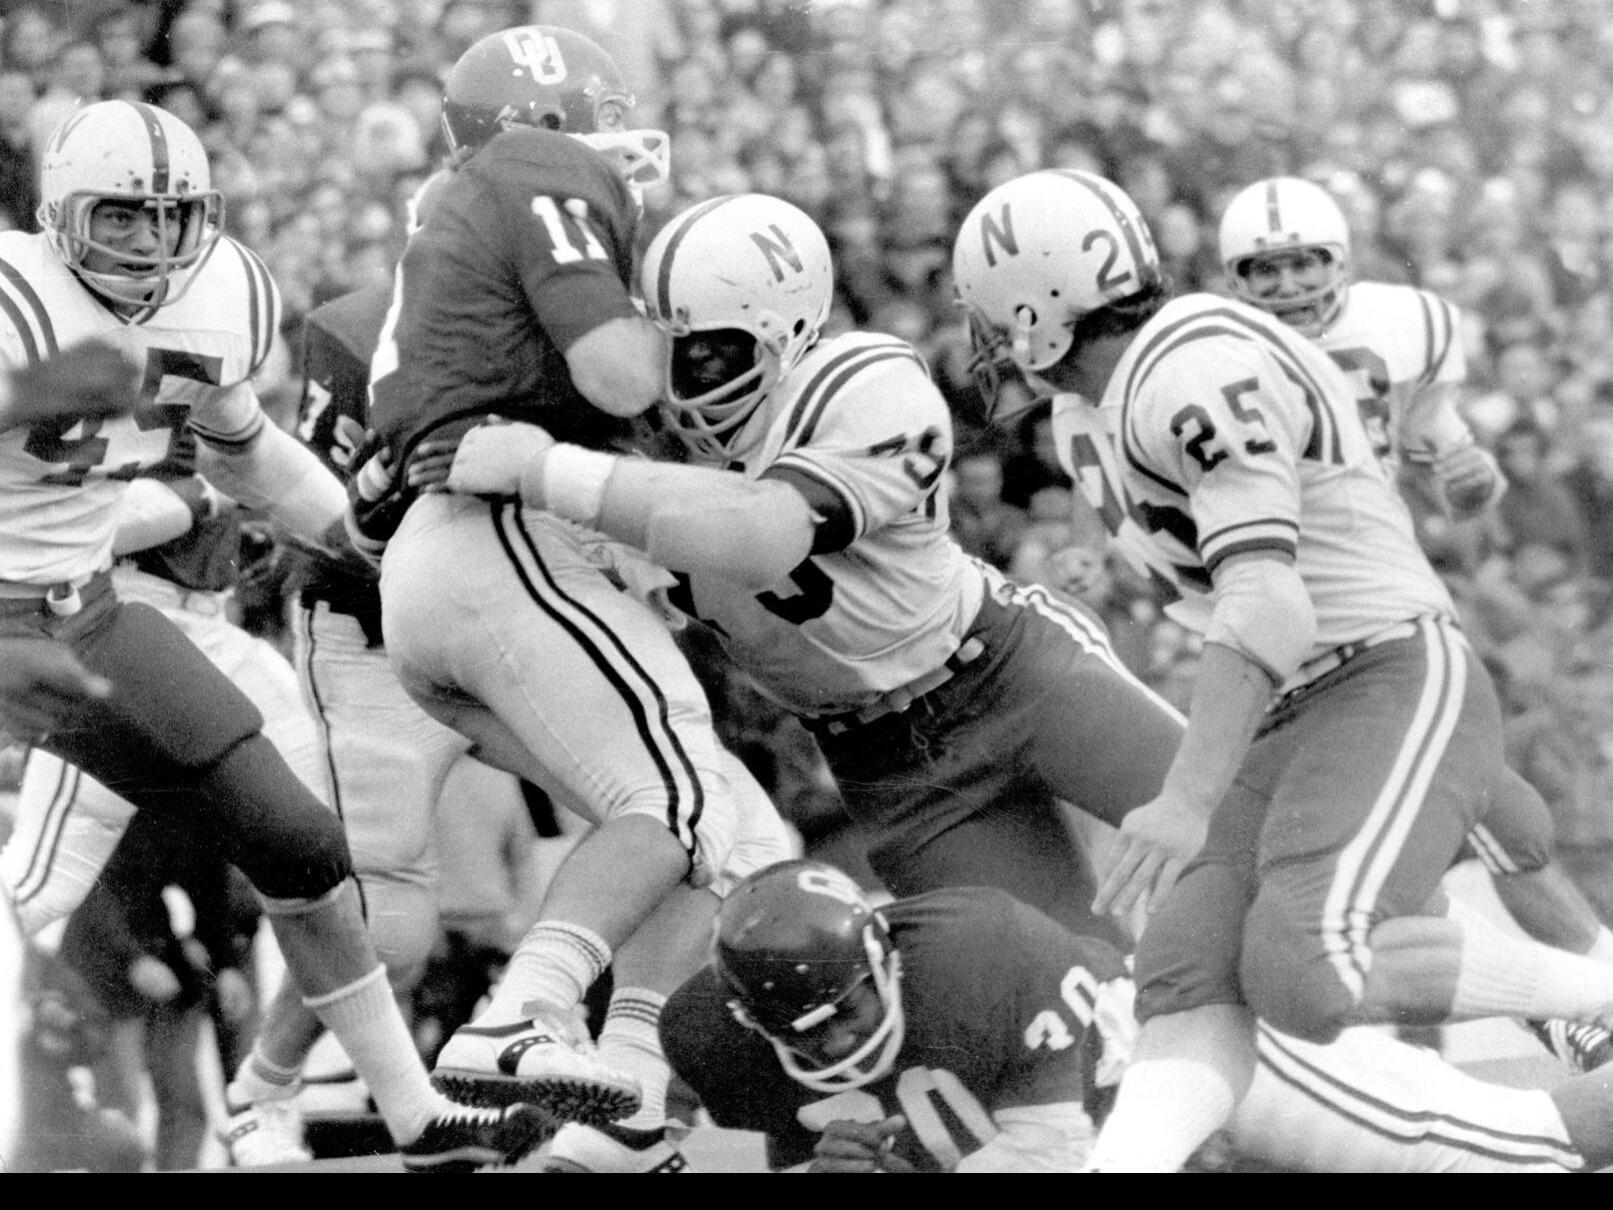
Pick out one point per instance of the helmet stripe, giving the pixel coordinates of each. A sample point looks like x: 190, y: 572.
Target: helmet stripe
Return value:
x: 159, y: 146
x: 1273, y: 217
x: 1134, y: 244
x: 681, y: 225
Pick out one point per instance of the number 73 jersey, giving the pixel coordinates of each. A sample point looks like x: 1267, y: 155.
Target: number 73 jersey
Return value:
x: 1223, y: 432
x: 61, y: 482
x: 886, y: 595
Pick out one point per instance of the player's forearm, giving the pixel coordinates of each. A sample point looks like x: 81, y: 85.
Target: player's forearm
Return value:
x: 153, y: 512
x: 278, y: 475
x: 1034, y: 1138
x: 1230, y: 695
x: 698, y: 519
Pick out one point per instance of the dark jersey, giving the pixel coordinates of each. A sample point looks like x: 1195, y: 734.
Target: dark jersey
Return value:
x: 998, y: 1001
x: 529, y: 248
x: 338, y: 341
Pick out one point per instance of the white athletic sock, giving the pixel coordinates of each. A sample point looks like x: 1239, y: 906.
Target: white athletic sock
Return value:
x: 257, y: 1079
x: 366, y: 1021
x: 629, y: 1041
x: 555, y: 963
x: 1164, y: 1111
x: 1502, y: 976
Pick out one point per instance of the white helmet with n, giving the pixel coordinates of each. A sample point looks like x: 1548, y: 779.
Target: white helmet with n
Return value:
x: 1285, y: 214
x: 742, y: 285
x: 131, y: 152
x: 1033, y: 257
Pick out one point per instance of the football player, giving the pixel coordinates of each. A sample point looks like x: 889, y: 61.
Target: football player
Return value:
x: 1285, y: 246
x: 132, y: 252
x: 511, y: 624
x: 954, y: 707
x: 957, y: 1030
x: 963, y: 1031
x: 1341, y: 729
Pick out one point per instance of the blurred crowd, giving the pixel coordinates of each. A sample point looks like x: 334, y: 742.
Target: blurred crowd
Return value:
x: 1470, y: 143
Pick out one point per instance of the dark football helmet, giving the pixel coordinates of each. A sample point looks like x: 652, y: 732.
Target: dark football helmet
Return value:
x: 554, y: 79
x: 792, y: 941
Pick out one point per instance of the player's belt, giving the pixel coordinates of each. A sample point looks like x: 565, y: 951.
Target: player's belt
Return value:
x: 1341, y: 655
x: 62, y: 599
x: 898, y: 700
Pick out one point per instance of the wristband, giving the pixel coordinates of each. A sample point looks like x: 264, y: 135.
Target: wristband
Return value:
x: 568, y: 481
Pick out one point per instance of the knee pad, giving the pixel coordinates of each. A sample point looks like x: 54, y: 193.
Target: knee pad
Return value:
x: 272, y: 827
x: 1287, y: 977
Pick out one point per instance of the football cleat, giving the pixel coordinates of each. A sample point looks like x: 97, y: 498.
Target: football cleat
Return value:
x: 464, y: 1139
x: 537, y: 1061
x: 1586, y: 1047
x: 269, y: 1132
x: 578, y: 1148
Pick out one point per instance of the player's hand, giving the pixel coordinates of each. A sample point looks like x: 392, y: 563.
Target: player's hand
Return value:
x: 1155, y: 841
x: 374, y: 507
x: 42, y: 685
x: 90, y: 380
x: 1467, y: 477
x: 152, y: 978
x: 491, y: 459
x: 847, y: 1146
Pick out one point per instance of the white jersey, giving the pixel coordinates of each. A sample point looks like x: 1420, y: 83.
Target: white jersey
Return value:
x: 1368, y: 1102
x: 60, y: 482
x: 887, y: 594
x: 1393, y: 343
x: 1233, y: 433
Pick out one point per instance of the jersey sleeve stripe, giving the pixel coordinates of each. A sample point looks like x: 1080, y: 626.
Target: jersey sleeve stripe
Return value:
x: 21, y: 303
x: 680, y: 228
x: 232, y: 442
x: 841, y: 520
x: 1439, y: 326
x: 830, y: 378
x: 1249, y: 537
x: 850, y: 520
x: 260, y: 305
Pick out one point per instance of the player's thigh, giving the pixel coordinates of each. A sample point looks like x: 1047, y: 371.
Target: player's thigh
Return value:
x: 1516, y: 834
x: 1379, y: 776
x: 502, y: 609
x: 383, y: 760
x: 67, y: 824
x: 1099, y: 737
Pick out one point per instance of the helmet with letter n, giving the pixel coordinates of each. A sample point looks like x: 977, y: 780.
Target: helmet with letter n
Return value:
x: 1036, y: 255
x: 126, y: 151
x: 792, y: 942
x: 554, y: 79
x: 1286, y: 214
x: 742, y: 285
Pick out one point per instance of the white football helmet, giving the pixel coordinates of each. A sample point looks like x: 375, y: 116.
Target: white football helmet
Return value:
x: 742, y: 285
x: 129, y: 151
x: 1282, y: 214
x: 1035, y: 255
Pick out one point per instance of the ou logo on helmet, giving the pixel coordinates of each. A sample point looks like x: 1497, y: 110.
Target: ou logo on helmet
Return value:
x: 538, y: 53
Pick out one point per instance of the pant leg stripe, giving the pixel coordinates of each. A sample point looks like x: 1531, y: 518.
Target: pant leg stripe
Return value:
x: 1406, y: 1125
x: 634, y: 685
x: 1087, y: 632
x: 1492, y: 855
x: 1366, y: 861
x: 36, y: 876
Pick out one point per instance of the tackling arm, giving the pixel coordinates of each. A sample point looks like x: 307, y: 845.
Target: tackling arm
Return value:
x: 618, y: 366
x: 155, y: 511
x: 268, y: 469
